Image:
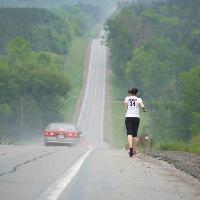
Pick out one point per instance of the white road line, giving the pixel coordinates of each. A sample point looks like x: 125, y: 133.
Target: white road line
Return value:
x: 104, y: 88
x: 87, y: 85
x: 56, y: 189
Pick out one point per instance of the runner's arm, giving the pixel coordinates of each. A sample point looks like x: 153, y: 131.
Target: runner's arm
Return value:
x: 125, y: 106
x: 143, y: 107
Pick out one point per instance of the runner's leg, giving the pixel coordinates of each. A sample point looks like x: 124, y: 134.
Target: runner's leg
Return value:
x: 135, y: 130
x: 135, y: 140
x: 130, y: 142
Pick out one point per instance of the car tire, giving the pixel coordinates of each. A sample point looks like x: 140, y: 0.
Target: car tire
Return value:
x: 69, y: 145
x: 46, y: 143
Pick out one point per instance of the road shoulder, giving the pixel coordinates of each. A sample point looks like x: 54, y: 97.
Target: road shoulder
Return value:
x: 111, y: 174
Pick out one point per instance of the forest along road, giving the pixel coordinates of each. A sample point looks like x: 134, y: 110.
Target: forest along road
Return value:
x: 35, y: 171
x: 92, y: 170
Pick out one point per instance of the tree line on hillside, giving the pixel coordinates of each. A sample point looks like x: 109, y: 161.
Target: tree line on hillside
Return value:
x: 33, y: 85
x: 84, y: 15
x: 156, y: 47
x: 36, y: 3
x: 46, y: 30
x: 32, y: 89
x: 104, y: 5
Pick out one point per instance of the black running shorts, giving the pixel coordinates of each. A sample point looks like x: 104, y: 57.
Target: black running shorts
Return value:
x: 132, y: 124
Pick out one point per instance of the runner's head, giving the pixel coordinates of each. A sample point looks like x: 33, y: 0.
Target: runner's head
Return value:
x: 133, y: 91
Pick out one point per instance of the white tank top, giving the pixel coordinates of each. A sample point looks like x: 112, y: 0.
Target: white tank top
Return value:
x: 133, y: 103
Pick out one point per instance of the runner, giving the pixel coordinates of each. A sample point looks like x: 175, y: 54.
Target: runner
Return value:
x: 132, y: 106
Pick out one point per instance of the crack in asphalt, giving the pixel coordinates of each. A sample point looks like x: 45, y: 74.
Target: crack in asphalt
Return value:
x: 14, y: 169
x: 3, y: 154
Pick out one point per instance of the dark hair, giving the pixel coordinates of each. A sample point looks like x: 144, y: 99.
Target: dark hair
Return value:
x: 133, y: 91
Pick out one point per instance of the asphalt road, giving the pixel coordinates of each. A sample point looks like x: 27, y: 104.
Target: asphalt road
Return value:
x: 91, y: 170
x: 92, y: 113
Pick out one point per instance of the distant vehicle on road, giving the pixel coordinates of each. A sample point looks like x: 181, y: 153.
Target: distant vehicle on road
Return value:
x: 61, y: 133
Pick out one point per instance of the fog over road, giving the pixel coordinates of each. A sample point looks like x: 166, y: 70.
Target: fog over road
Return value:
x: 93, y: 170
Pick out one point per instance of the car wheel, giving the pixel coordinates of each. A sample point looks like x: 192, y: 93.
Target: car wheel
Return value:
x: 46, y: 143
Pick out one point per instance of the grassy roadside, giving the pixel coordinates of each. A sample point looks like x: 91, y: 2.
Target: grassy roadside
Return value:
x: 191, y: 146
x: 119, y: 132
x: 118, y: 127
x: 117, y: 116
x: 74, y: 70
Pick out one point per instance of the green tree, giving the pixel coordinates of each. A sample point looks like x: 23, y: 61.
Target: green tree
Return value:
x: 33, y: 89
x: 190, y: 93
x: 151, y: 45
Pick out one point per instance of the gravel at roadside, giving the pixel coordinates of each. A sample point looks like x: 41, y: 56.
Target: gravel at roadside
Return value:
x: 187, y: 162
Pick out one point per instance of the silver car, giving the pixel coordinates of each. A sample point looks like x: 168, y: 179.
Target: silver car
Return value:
x: 61, y: 133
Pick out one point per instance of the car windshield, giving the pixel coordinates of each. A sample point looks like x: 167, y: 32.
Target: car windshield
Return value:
x: 60, y: 126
